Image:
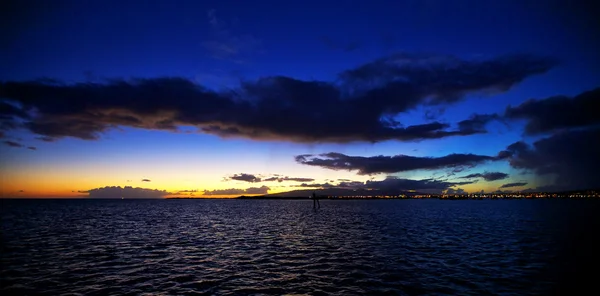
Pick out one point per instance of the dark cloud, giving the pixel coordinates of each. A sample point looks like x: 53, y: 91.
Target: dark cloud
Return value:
x: 298, y: 179
x: 434, y: 113
x: 570, y: 158
x: 274, y: 108
x: 46, y: 139
x: 244, y: 177
x: 234, y: 191
x: 350, y: 185
x: 558, y: 113
x: 315, y: 185
x: 258, y: 190
x: 146, y: 180
x: 517, y: 184
x: 231, y: 191
x: 391, y: 164
x: 125, y: 192
x: 488, y: 176
x: 11, y: 110
x: 11, y: 115
x: 31, y: 148
x: 439, y: 79
x: 393, y: 184
x: 455, y: 191
x: 390, y: 185
x: 291, y: 179
x: 13, y: 144
x: 477, y: 122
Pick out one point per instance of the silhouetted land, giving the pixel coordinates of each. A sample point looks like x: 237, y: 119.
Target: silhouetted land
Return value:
x: 595, y: 193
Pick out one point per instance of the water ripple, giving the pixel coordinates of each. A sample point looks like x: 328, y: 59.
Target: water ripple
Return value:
x: 242, y: 247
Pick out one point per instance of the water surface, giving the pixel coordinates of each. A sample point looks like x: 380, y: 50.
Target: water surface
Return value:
x: 348, y: 247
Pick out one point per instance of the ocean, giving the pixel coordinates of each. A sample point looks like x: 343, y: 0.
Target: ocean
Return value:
x: 279, y: 247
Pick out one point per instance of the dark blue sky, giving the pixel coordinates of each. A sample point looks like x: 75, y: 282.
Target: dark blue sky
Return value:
x: 75, y: 40
x: 154, y: 38
x: 218, y: 43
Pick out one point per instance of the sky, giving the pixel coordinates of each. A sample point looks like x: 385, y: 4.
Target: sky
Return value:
x: 229, y: 98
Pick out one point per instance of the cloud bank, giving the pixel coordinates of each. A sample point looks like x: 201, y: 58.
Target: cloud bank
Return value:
x: 13, y: 144
x: 570, y: 158
x: 291, y: 179
x: 125, y: 192
x: 390, y: 186
x: 244, y: 177
x: 274, y: 178
x: 233, y: 191
x: 391, y: 164
x: 488, y: 176
x: 558, y: 113
x: 280, y: 108
x: 516, y: 184
x: 567, y: 155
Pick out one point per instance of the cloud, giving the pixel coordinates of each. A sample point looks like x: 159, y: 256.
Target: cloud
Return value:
x: 291, y: 179
x: 391, y: 164
x: 393, y: 184
x: 234, y: 191
x: 13, y: 144
x: 186, y: 192
x: 517, y: 184
x: 457, y: 191
x: 256, y: 179
x: 316, y: 185
x: 258, y: 190
x: 390, y: 185
x: 245, y: 177
x: 10, y: 115
x: 46, y: 139
x: 477, y: 122
x: 31, y: 148
x: 488, y: 176
x: 350, y: 184
x: 146, y: 180
x: 570, y: 158
x: 231, y: 191
x: 125, y: 192
x: 373, y: 96
x: 558, y: 113
x: 226, y: 44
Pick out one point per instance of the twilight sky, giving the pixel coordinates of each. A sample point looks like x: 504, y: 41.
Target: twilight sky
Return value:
x: 224, y: 98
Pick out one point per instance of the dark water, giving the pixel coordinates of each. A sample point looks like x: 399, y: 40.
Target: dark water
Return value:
x: 241, y: 247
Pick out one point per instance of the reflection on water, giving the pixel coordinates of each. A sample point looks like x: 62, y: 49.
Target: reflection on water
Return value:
x: 276, y: 247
